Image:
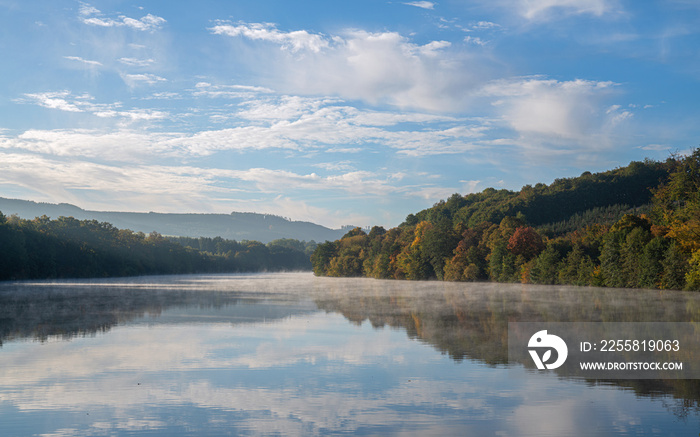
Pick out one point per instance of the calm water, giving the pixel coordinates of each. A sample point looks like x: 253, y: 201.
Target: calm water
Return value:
x: 291, y: 354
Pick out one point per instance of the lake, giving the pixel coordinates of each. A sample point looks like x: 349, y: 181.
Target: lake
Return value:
x: 292, y: 354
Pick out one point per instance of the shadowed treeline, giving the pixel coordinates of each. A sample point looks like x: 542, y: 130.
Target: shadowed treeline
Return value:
x: 71, y: 248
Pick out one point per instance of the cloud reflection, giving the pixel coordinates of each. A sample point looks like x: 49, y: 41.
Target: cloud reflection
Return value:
x: 312, y: 375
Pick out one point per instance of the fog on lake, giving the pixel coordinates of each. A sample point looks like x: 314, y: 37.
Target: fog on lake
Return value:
x: 293, y: 354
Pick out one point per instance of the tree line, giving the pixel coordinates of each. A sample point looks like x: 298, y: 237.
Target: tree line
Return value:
x: 71, y: 248
x: 280, y: 254
x: 636, y: 226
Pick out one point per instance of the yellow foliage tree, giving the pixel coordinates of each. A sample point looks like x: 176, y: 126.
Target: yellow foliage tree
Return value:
x: 692, y: 278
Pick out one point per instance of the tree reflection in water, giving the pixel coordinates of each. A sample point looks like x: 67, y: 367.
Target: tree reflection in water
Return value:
x: 470, y: 321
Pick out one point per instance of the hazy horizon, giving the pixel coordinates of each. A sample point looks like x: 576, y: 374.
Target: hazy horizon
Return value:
x: 334, y: 113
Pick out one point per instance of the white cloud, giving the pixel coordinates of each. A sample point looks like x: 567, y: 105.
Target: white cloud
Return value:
x: 422, y: 4
x: 94, y: 17
x: 300, y: 210
x: 294, y: 41
x: 135, y: 62
x: 185, y: 188
x: 205, y: 89
x: 287, y: 122
x: 342, y: 165
x: 470, y: 186
x: 386, y: 118
x: 87, y: 10
x: 52, y: 100
x: 433, y: 48
x: 84, y: 61
x: 323, y: 123
x: 166, y: 95
x: 124, y: 145
x: 429, y: 193
x: 384, y: 68
x: 475, y: 40
x: 483, y: 25
x: 379, y: 68
x: 289, y: 108
x: 617, y: 115
x: 134, y: 80
x: 546, y: 9
x: 551, y: 108
x: 657, y: 147
x: 140, y: 187
x: 134, y: 115
x: 66, y: 101
x: 620, y: 116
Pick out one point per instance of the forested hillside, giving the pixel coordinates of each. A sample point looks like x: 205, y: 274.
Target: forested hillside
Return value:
x: 71, y: 248
x: 636, y: 226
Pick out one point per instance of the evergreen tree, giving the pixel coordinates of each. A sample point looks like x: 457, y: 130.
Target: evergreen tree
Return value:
x: 611, y: 262
x: 675, y: 266
x: 545, y: 268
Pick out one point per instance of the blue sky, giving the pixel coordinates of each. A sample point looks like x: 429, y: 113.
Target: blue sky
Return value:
x: 337, y: 112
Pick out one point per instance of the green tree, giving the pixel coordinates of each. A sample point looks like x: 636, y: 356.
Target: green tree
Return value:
x: 502, y: 264
x: 354, y: 233
x: 545, y: 267
x: 350, y: 255
x: 650, y: 262
x: 322, y: 256
x: 631, y: 253
x: 576, y: 268
x: 438, y: 244
x: 611, y: 268
x: 675, y: 266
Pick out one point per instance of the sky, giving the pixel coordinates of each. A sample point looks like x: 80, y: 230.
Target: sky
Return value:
x: 336, y: 112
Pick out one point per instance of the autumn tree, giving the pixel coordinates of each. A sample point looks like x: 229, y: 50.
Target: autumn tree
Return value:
x: 693, y: 276
x: 414, y: 260
x: 677, y: 202
x: 525, y: 242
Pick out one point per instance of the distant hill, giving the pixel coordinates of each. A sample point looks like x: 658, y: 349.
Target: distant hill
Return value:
x: 235, y: 226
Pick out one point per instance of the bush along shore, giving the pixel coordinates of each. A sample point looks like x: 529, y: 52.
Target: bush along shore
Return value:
x: 636, y: 226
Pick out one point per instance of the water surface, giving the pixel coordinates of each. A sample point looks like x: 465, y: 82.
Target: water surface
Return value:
x: 291, y: 354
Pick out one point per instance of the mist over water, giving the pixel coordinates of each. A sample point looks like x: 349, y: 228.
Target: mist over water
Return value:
x: 292, y: 354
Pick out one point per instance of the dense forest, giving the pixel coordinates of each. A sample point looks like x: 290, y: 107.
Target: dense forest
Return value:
x: 71, y: 248
x: 636, y: 226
